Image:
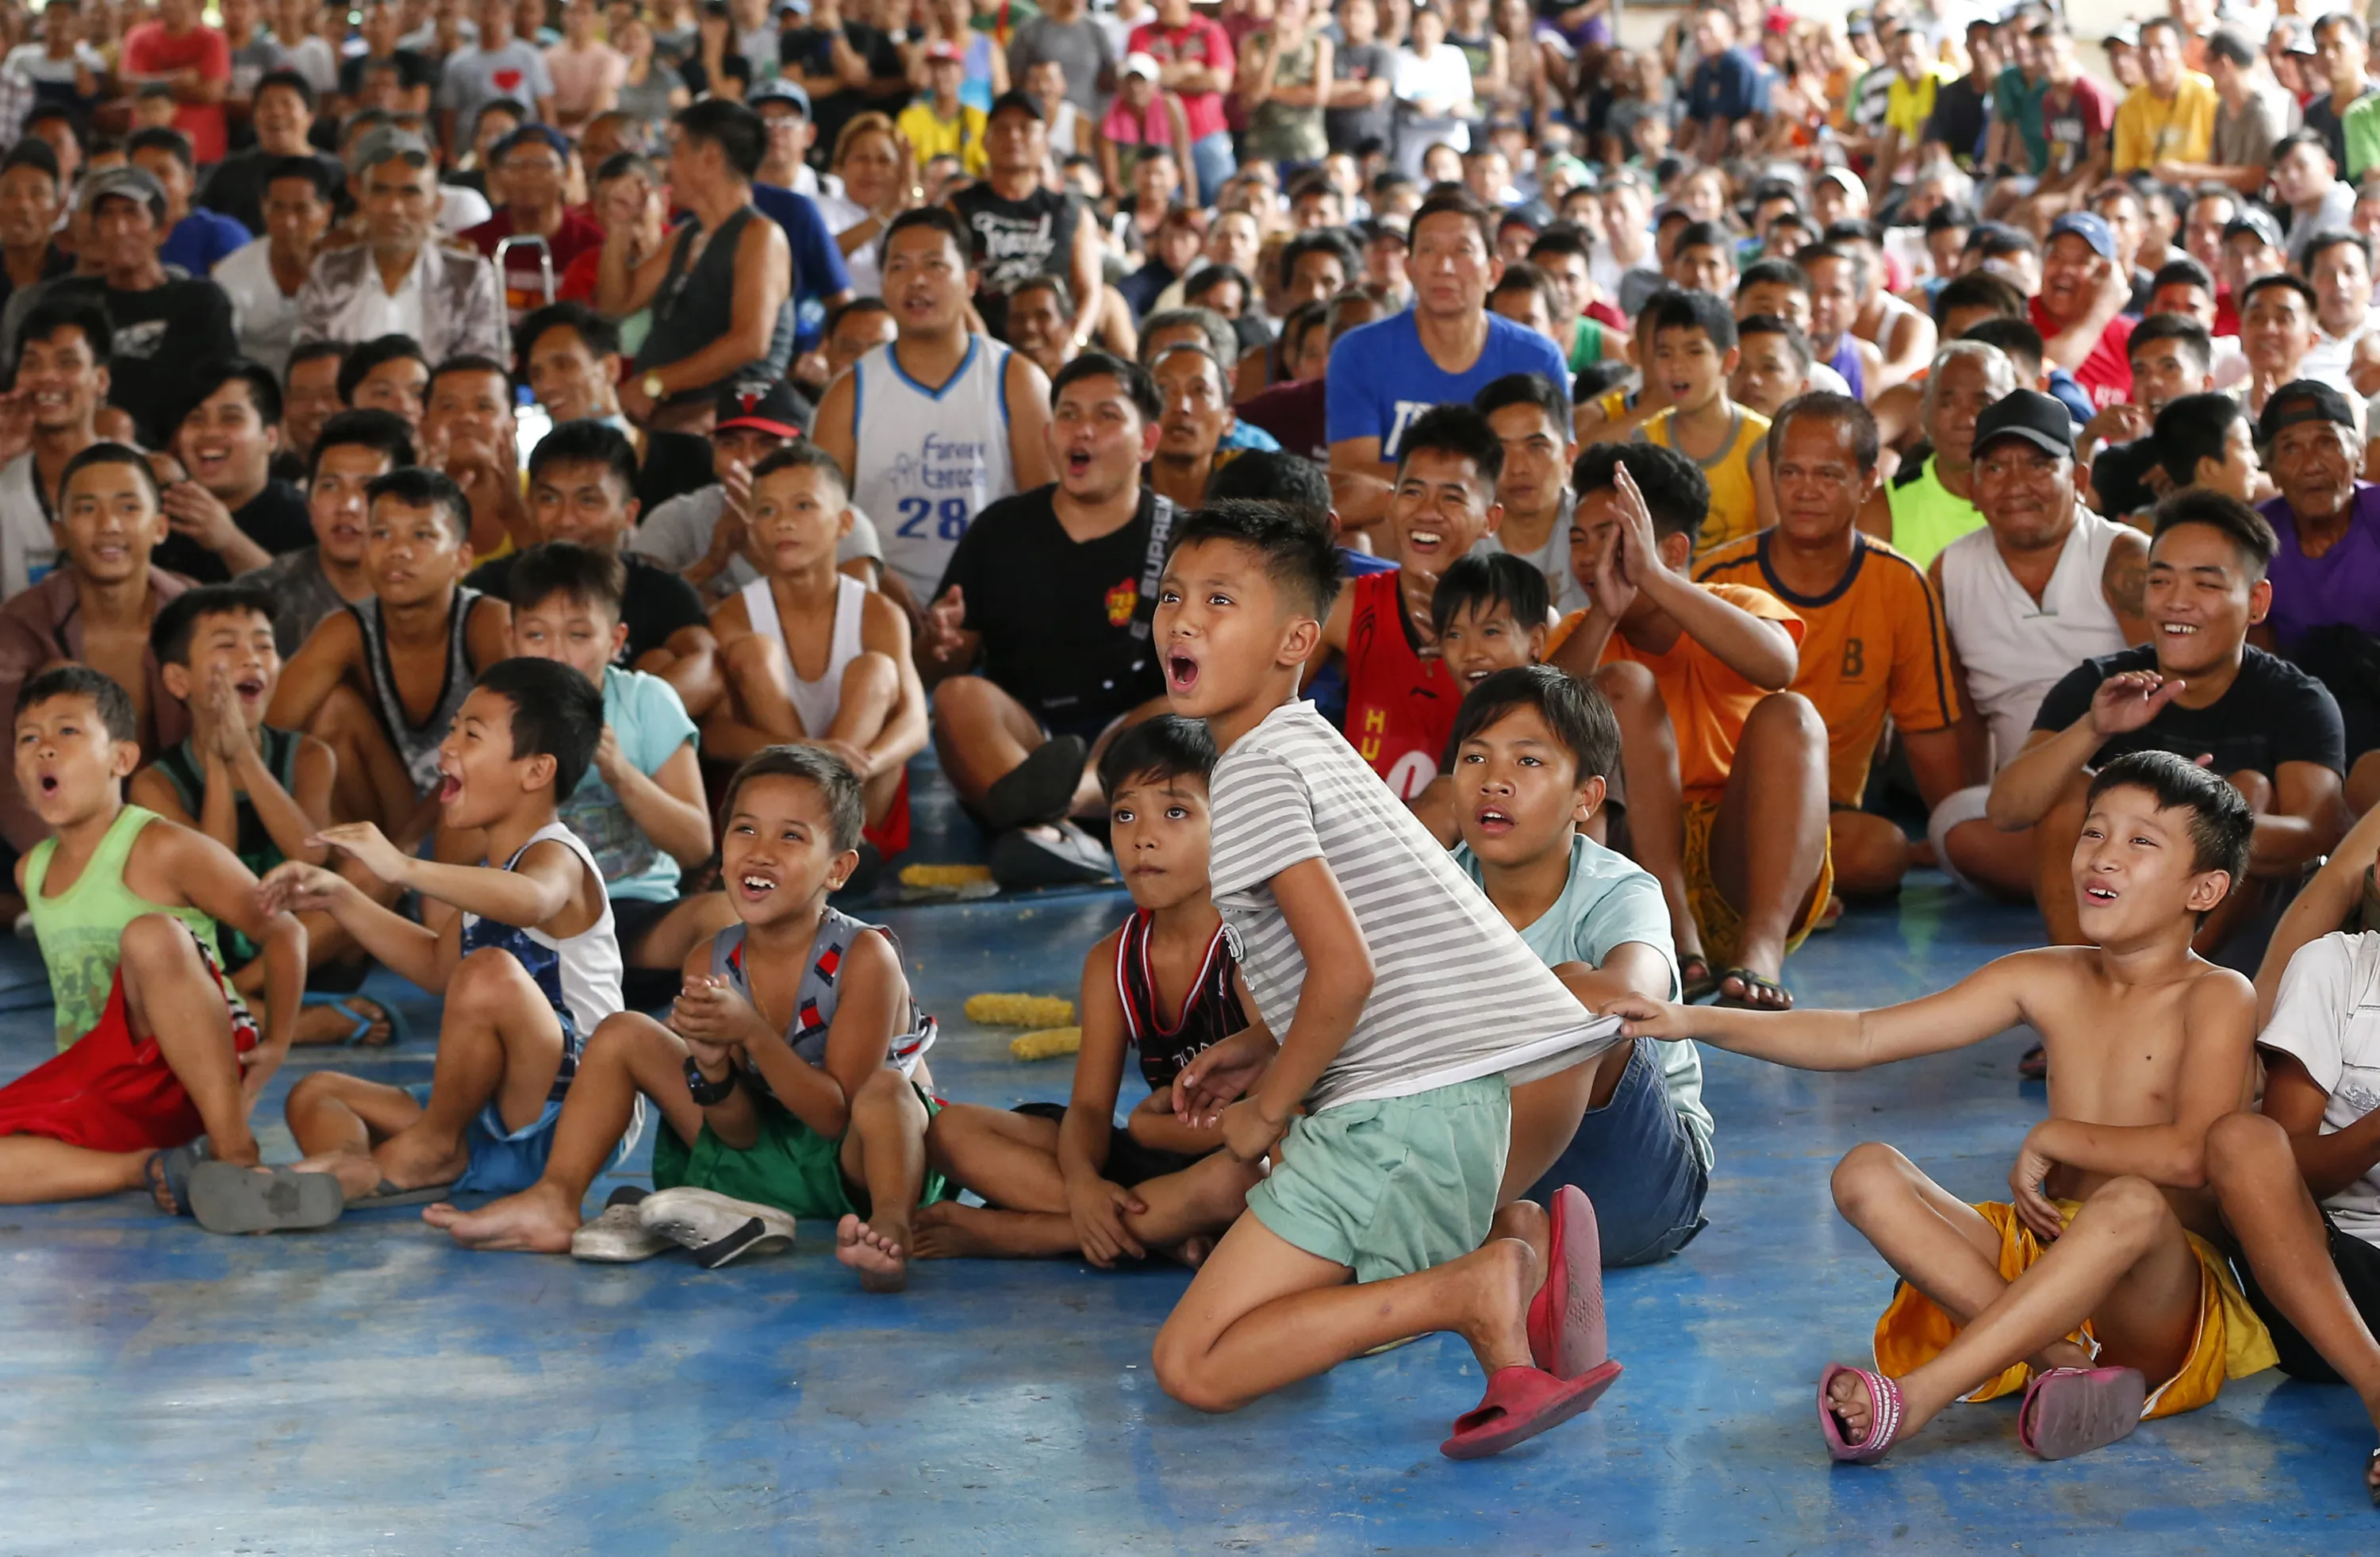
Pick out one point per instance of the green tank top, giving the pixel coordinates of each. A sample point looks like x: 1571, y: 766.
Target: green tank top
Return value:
x: 1927, y: 515
x: 82, y: 929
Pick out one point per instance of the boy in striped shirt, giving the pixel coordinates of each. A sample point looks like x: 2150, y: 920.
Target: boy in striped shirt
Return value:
x: 1405, y: 1007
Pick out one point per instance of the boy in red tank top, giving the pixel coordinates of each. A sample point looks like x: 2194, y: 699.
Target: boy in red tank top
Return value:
x: 1401, y: 700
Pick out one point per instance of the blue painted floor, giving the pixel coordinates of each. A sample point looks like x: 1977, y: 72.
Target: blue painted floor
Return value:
x: 373, y: 1390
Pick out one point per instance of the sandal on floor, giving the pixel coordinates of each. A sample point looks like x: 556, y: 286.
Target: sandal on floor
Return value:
x: 2071, y: 1411
x: 1884, y: 1413
x: 358, y: 1035
x: 1566, y: 1329
x: 1520, y: 1403
x: 1696, y: 978
x: 1037, y: 790
x: 389, y: 1194
x: 715, y: 1228
x: 228, y: 1198
x: 168, y: 1175
x: 2369, y: 1466
x: 1754, y: 984
x: 617, y: 1236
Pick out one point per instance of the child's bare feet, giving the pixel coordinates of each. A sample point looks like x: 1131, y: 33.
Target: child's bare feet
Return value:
x: 1501, y: 1275
x: 882, y: 1258
x: 540, y: 1220
x: 1847, y: 1397
x: 946, y: 1230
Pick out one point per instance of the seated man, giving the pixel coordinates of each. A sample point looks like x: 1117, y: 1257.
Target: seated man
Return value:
x: 1037, y: 646
x: 380, y: 682
x: 386, y: 373
x: 1930, y: 502
x: 703, y: 536
x: 580, y: 480
x: 2325, y: 570
x: 1531, y: 416
x: 2044, y: 584
x: 61, y: 368
x: 353, y: 450
x: 569, y: 356
x: 1726, y: 769
x: 2295, y: 1178
x: 1872, y: 644
x: 2135, y: 1314
x: 2197, y: 688
x: 232, y: 515
x: 2078, y: 306
x: 2172, y: 355
x: 96, y: 607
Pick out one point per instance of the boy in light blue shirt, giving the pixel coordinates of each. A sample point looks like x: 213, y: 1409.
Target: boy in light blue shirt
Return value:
x: 1531, y: 749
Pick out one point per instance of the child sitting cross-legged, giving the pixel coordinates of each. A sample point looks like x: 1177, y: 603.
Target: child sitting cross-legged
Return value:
x: 1063, y: 1179
x: 789, y: 1075
x: 259, y: 791
x: 2095, y: 1291
x: 640, y: 806
x: 527, y: 965
x: 154, y: 1045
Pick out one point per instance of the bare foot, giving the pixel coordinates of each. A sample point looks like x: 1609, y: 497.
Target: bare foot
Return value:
x: 1526, y: 1220
x: 1193, y: 1251
x: 412, y: 1160
x: 540, y: 1220
x: 947, y: 1230
x: 1502, y: 1274
x: 882, y: 1264
x: 1847, y: 1397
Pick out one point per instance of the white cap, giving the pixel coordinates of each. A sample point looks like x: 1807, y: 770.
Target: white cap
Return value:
x: 1141, y: 64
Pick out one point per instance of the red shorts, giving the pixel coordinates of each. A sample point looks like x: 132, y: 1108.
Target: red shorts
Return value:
x: 110, y: 1091
x: 890, y: 836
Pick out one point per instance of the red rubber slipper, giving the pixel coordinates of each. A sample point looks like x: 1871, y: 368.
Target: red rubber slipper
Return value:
x: 1520, y: 1403
x: 1566, y: 1328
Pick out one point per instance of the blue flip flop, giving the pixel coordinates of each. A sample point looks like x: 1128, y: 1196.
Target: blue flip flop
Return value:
x: 399, y: 1030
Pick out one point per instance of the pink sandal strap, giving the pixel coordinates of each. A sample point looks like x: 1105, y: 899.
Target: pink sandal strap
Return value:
x: 1886, y: 1412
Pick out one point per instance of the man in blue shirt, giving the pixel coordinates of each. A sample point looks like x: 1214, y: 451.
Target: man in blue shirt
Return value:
x: 820, y: 281
x: 1446, y: 347
x: 200, y: 236
x: 1728, y: 87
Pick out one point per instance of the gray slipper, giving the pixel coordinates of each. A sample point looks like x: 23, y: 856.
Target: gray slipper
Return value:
x: 389, y: 1194
x: 618, y: 1236
x: 227, y: 1199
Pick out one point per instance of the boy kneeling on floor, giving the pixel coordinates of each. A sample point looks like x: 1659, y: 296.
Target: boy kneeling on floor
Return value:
x: 789, y: 1073
x: 1062, y: 1179
x: 529, y: 967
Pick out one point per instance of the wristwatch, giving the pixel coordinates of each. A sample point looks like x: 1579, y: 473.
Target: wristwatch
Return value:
x: 707, y: 1092
x: 654, y: 389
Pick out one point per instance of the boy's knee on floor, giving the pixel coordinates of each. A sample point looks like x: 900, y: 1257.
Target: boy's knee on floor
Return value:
x: 1179, y: 1366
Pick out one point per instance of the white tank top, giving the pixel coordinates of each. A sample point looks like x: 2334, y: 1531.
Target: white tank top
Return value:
x: 578, y: 975
x: 817, y: 701
x: 2015, y: 650
x: 929, y: 460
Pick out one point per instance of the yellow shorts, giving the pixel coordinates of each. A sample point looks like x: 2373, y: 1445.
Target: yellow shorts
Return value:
x: 2230, y: 1342
x: 1721, y: 924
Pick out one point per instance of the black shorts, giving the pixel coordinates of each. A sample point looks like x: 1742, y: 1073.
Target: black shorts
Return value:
x: 1129, y: 1162
x: 2357, y: 1264
x: 634, y: 918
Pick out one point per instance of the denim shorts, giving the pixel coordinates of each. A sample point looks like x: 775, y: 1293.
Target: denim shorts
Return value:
x: 1636, y: 1161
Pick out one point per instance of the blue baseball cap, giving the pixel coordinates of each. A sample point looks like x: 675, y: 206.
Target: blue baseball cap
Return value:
x: 2090, y: 228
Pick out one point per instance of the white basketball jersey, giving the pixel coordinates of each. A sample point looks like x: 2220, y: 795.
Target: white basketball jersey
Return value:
x: 2015, y: 650
x: 927, y: 460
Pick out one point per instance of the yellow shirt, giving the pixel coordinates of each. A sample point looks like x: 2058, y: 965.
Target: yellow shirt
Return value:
x: 2150, y: 129
x: 932, y: 135
x: 1875, y: 644
x: 1735, y: 507
x: 1907, y: 106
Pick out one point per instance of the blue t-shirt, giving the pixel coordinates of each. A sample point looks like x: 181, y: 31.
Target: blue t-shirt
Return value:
x: 650, y: 724
x: 201, y: 239
x: 819, y: 270
x: 1381, y: 379
x: 1732, y: 86
x: 1607, y: 903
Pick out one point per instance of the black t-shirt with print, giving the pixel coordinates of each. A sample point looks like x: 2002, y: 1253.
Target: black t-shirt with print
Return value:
x: 1066, y: 624
x: 2273, y: 713
x: 274, y: 519
x: 158, y: 333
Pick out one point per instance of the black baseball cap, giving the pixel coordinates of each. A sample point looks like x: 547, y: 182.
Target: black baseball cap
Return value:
x: 2302, y: 400
x: 1022, y: 101
x: 764, y: 408
x: 2040, y: 419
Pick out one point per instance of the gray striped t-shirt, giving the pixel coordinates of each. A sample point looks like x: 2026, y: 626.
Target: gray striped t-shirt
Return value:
x: 1455, y: 993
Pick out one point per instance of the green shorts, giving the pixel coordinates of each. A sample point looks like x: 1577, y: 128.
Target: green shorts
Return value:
x: 1394, y: 1185
x: 790, y: 1166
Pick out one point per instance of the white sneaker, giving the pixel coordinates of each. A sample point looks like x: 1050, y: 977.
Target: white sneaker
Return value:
x: 616, y: 1237
x: 715, y: 1227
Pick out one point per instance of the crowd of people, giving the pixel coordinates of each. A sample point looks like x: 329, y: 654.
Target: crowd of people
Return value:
x: 1493, y: 536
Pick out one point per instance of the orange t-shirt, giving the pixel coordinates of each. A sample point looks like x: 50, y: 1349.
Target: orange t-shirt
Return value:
x: 1875, y: 645
x: 1707, y: 700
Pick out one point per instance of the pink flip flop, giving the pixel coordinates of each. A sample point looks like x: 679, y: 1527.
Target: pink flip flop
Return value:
x: 1886, y: 1413
x: 1520, y: 1403
x: 2071, y: 1411
x: 1566, y: 1327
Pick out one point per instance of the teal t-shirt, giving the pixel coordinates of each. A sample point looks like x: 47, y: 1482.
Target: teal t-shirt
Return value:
x: 1608, y: 902
x: 650, y: 724
x: 2017, y: 102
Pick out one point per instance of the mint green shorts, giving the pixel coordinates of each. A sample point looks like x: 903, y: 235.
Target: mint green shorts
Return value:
x: 1393, y: 1186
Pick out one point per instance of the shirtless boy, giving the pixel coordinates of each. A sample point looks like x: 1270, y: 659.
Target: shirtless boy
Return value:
x: 2119, y: 1310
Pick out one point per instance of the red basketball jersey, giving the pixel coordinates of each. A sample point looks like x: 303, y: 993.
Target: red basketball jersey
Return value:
x: 1399, y: 706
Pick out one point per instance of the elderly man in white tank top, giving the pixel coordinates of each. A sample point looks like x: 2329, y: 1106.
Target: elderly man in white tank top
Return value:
x: 2045, y: 585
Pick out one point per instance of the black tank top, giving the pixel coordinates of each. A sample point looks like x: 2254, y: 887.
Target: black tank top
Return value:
x: 1210, y: 1014
x: 252, y: 841
x: 695, y: 305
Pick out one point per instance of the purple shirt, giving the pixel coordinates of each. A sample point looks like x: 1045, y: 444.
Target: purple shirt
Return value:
x: 2340, y: 586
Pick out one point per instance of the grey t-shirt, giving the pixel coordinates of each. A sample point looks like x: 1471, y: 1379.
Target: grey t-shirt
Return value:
x: 1345, y: 128
x: 2245, y: 138
x: 305, y: 592
x: 1081, y: 49
x: 677, y: 534
x: 1552, y: 559
x: 475, y: 77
